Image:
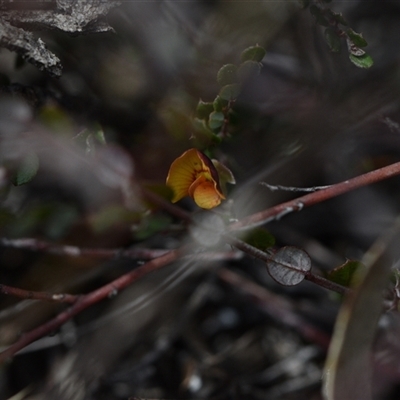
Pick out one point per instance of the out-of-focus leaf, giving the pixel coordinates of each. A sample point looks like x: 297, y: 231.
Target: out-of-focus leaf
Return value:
x: 204, y: 109
x: 111, y: 216
x: 6, y: 217
x: 151, y: 224
x: 253, y: 53
x: 248, y: 69
x: 356, y: 38
x: 60, y: 220
x: 344, y: 274
x: 364, y: 61
x: 333, y: 40
x: 56, y: 119
x: 203, y: 135
x: 219, y: 104
x: 227, y: 74
x: 289, y: 266
x: 230, y: 92
x: 260, y: 238
x: 216, y: 120
x: 99, y: 134
x: 26, y: 169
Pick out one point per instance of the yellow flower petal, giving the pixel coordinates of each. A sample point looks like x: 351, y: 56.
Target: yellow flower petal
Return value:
x: 206, y: 196
x: 183, y: 172
x: 193, y: 174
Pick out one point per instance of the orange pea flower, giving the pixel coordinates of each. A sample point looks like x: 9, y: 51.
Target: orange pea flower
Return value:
x: 194, y: 174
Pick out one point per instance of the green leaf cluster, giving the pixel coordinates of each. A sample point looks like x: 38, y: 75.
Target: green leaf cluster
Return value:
x: 337, y: 30
x: 213, y: 117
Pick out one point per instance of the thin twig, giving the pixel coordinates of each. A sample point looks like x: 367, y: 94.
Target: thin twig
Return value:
x: 278, y: 211
x: 75, y: 251
x: 261, y: 255
x: 32, y: 295
x: 274, y: 188
x: 89, y: 299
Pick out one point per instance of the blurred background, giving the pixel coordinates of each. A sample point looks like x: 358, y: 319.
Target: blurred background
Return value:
x: 122, y: 110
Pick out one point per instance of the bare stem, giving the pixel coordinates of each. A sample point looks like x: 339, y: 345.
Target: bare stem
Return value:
x: 75, y: 251
x: 310, y: 199
x: 89, y: 299
x: 261, y: 255
x: 32, y: 295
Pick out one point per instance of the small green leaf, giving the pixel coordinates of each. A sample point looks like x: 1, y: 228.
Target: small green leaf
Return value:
x: 253, y: 53
x: 204, y: 109
x: 356, y: 38
x: 248, y: 69
x: 260, y: 238
x: 333, y: 40
x: 99, y: 134
x: 364, y: 61
x: 219, y: 104
x: 230, y: 92
x: 344, y: 274
x: 26, y: 170
x: 227, y: 74
x: 216, y: 120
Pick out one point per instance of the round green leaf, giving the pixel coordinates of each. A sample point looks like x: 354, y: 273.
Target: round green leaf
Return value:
x: 216, y: 120
x: 253, y: 53
x: 248, y: 69
x: 364, y: 61
x: 227, y: 74
x: 219, y: 104
x: 204, y: 109
x: 356, y: 38
x: 26, y: 170
x: 333, y: 40
x: 229, y: 92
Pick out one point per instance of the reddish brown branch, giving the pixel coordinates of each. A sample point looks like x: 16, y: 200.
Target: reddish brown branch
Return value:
x: 310, y: 199
x: 75, y: 251
x: 261, y: 255
x: 89, y: 299
x: 32, y: 295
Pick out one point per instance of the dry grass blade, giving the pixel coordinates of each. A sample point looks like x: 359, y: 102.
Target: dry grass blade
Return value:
x: 348, y: 367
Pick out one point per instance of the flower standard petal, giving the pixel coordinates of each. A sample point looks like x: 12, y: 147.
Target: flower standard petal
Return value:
x: 183, y: 172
